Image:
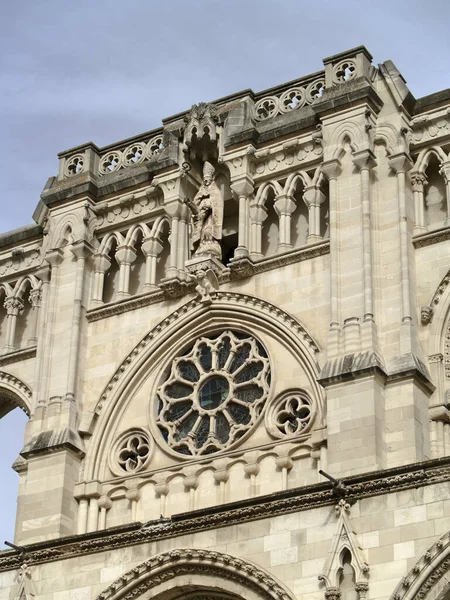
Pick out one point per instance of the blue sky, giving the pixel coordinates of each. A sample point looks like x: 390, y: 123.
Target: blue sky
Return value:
x: 106, y: 70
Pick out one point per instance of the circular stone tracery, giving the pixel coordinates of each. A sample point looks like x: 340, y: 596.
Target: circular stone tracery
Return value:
x: 213, y: 394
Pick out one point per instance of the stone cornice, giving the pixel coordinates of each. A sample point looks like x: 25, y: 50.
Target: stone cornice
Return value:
x: 118, y: 308
x: 252, y: 509
x: 433, y: 237
x: 17, y: 356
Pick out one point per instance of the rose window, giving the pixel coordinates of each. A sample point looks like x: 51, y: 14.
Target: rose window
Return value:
x: 213, y: 394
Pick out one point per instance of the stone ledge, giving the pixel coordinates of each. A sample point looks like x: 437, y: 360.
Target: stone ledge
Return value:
x: 17, y: 356
x: 118, y: 308
x: 22, y: 234
x: 433, y: 237
x: 361, y: 486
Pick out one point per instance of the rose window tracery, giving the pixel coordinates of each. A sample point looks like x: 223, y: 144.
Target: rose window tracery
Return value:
x: 213, y: 393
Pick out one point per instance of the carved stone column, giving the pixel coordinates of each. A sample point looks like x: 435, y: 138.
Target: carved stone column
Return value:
x: 314, y: 198
x: 401, y: 164
x: 125, y: 256
x: 14, y: 308
x: 152, y: 248
x: 242, y: 190
x: 284, y: 207
x: 258, y: 214
x: 105, y: 504
x: 81, y: 250
x: 102, y: 263
x: 331, y: 169
x: 365, y: 161
x: 418, y: 181
x: 445, y: 172
x: 35, y: 299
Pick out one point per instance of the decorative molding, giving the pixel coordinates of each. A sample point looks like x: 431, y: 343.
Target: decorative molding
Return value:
x: 17, y: 356
x: 253, y: 509
x: 288, y: 258
x: 430, y: 127
x: 118, y: 308
x: 164, y: 567
x: 433, y: 237
x: 15, y: 391
x: 440, y: 291
x: 129, y: 207
x: 272, y: 161
x: 26, y: 259
x: 426, y: 572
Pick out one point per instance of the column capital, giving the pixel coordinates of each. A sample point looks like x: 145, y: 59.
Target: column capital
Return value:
x: 331, y: 168
x: 258, y: 212
x: 418, y: 181
x: 54, y: 257
x: 400, y: 163
x: 102, y: 262
x: 14, y: 306
x: 445, y: 170
x: 151, y: 246
x: 35, y: 297
x: 364, y: 159
x: 82, y: 249
x: 313, y: 196
x: 125, y: 255
x: 284, y: 205
x: 242, y: 186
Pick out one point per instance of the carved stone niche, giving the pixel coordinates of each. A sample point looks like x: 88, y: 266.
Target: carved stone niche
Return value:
x: 201, y: 133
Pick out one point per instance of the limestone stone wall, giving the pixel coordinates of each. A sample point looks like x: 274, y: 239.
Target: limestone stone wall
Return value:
x: 174, y: 377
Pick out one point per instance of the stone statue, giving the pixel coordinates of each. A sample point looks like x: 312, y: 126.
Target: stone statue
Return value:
x: 207, y: 216
x: 426, y: 314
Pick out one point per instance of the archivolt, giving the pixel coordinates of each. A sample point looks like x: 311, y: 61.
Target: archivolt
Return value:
x: 426, y: 574
x: 201, y: 569
x: 194, y: 318
x: 15, y: 392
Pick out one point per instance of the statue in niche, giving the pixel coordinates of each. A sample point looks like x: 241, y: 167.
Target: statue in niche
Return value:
x: 207, y: 216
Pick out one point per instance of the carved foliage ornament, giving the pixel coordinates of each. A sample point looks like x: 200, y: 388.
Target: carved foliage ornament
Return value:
x: 213, y: 393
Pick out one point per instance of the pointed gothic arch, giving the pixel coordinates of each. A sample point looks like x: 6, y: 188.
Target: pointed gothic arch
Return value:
x: 427, y: 580
x: 192, y: 320
x: 14, y: 393
x: 192, y: 570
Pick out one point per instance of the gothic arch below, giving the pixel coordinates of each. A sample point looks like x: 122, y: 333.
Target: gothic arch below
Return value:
x: 227, y: 310
x: 13, y: 393
x: 184, y: 571
x: 429, y: 578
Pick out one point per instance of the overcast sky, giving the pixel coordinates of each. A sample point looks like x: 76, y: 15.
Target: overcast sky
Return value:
x: 101, y: 71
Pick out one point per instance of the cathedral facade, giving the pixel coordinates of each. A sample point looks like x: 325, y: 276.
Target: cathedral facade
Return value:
x: 231, y: 336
